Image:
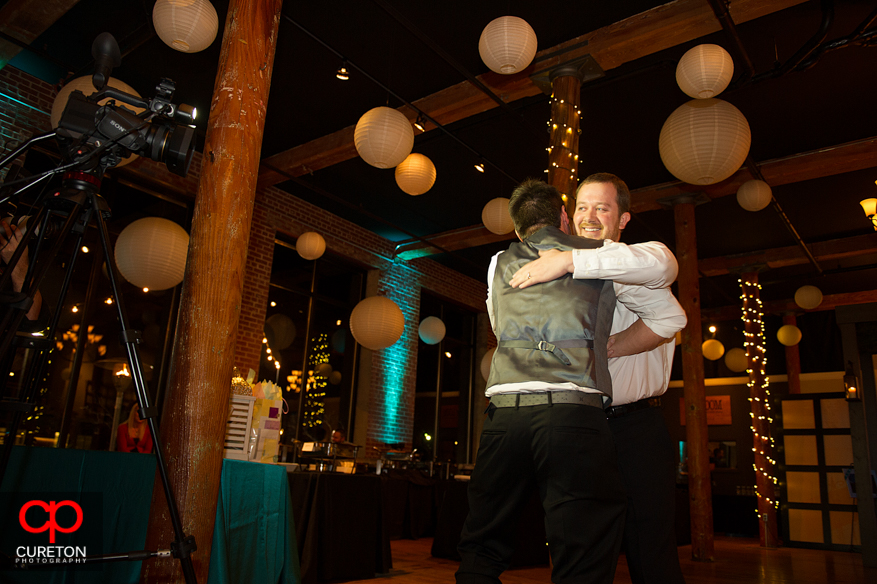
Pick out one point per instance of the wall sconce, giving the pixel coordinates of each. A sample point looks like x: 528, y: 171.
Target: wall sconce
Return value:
x: 343, y: 74
x: 851, y: 385
x: 870, y: 208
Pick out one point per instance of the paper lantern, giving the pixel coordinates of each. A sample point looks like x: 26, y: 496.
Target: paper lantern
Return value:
x: 310, y: 245
x: 496, y: 218
x: 324, y: 369
x: 808, y: 297
x: 383, y: 137
x: 789, y: 335
x: 704, y: 71
x: 432, y: 330
x: 485, y: 363
x: 704, y: 141
x: 377, y: 322
x: 280, y: 331
x: 335, y: 377
x: 507, y: 45
x: 151, y: 253
x: 188, y: 26
x: 416, y: 174
x: 736, y: 360
x: 713, y: 349
x: 754, y: 195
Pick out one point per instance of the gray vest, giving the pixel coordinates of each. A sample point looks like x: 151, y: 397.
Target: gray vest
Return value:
x: 554, y: 332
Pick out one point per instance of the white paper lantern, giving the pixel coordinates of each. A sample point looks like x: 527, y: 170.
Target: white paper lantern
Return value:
x: 335, y: 377
x: 151, y: 253
x: 310, y: 245
x: 280, y: 331
x: 704, y: 141
x: 324, y: 369
x: 377, y: 322
x: 188, y: 26
x: 507, y: 45
x: 485, y: 363
x: 416, y: 174
x: 789, y: 335
x: 704, y: 71
x: 432, y: 330
x: 383, y: 137
x: 713, y: 349
x: 754, y: 195
x: 496, y: 218
x: 808, y: 297
x: 736, y: 360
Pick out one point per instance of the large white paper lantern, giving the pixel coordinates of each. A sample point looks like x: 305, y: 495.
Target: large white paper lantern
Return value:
x: 188, y: 26
x: 416, y: 174
x: 507, y: 45
x: 704, y: 71
x: 496, y: 218
x: 377, y: 322
x: 704, y: 141
x: 310, y: 245
x: 280, y: 331
x: 754, y: 195
x: 383, y: 137
x: 808, y: 297
x: 736, y: 360
x: 432, y: 330
x: 789, y: 335
x: 485, y: 363
x: 713, y: 349
x: 151, y: 253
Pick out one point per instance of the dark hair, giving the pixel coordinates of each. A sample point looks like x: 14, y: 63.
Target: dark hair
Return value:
x: 621, y: 191
x: 535, y: 204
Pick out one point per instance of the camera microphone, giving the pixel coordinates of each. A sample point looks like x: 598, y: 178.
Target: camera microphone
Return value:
x: 105, y: 51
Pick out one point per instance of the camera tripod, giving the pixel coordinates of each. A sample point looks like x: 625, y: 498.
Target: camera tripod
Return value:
x: 79, y: 204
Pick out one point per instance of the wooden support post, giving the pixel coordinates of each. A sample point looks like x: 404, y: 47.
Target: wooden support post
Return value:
x: 793, y: 359
x: 759, y: 397
x: 195, y: 411
x: 697, y: 435
x: 563, y: 152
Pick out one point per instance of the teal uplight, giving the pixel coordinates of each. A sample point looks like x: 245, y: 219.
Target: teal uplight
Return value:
x: 394, y: 386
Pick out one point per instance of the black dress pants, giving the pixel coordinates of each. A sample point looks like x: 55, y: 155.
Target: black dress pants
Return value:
x: 567, y: 452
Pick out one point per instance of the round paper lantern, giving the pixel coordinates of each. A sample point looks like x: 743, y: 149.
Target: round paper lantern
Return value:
x: 416, y: 174
x: 808, y: 297
x: 754, y: 195
x: 377, y: 322
x: 324, y: 369
x: 151, y: 253
x: 713, y: 349
x: 383, y: 137
x: 704, y: 141
x: 335, y: 377
x: 310, y: 245
x: 736, y: 360
x: 496, y: 218
x: 704, y: 71
x: 485, y: 363
x: 280, y: 331
x: 789, y: 335
x: 432, y: 330
x: 188, y: 26
x: 507, y: 45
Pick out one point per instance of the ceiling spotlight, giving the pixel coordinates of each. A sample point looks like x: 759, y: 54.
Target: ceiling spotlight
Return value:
x: 343, y: 74
x: 480, y: 167
x: 419, y: 123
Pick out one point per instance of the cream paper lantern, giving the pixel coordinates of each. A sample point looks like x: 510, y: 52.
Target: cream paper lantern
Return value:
x: 377, y: 322
x: 507, y: 45
x: 416, y: 174
x: 704, y: 141
x: 704, y: 71
x: 188, y: 26
x: 736, y: 360
x: 789, y: 335
x: 151, y: 253
x: 310, y: 245
x: 808, y: 297
x: 485, y: 363
x: 335, y: 377
x: 280, y: 331
x: 713, y: 349
x: 754, y: 195
x: 496, y: 218
x: 383, y: 137
x: 432, y: 330
x: 324, y: 369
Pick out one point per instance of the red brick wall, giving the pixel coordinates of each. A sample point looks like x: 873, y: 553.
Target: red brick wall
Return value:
x: 25, y: 103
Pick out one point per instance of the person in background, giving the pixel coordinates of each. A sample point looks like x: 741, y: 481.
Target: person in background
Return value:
x: 10, y: 236
x: 133, y: 435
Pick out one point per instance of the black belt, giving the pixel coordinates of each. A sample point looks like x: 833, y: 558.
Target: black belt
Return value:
x: 553, y: 348
x: 618, y: 411
x: 516, y: 400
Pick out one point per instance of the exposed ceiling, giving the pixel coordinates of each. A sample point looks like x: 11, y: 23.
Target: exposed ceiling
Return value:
x: 423, y: 53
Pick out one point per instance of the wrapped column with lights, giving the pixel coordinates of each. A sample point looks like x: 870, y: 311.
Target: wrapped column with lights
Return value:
x: 563, y: 149
x: 761, y: 417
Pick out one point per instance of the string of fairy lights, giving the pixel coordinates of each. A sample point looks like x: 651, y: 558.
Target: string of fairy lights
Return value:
x: 315, y: 391
x: 754, y: 344
x: 557, y: 105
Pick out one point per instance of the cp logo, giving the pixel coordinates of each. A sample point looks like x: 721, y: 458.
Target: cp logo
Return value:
x: 51, y: 523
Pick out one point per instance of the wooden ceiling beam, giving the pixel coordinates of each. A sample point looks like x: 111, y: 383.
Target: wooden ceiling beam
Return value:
x: 829, y: 302
x: 25, y: 20
x: 611, y: 46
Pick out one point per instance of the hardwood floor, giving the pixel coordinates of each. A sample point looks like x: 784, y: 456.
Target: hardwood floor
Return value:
x: 738, y: 560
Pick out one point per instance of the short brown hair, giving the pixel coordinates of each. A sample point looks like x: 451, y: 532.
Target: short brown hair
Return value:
x: 535, y: 204
x: 622, y: 193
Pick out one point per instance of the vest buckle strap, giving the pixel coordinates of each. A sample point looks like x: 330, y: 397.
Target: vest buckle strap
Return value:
x: 553, y: 348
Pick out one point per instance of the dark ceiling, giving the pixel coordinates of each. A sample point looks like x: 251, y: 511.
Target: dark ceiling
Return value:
x: 829, y: 104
